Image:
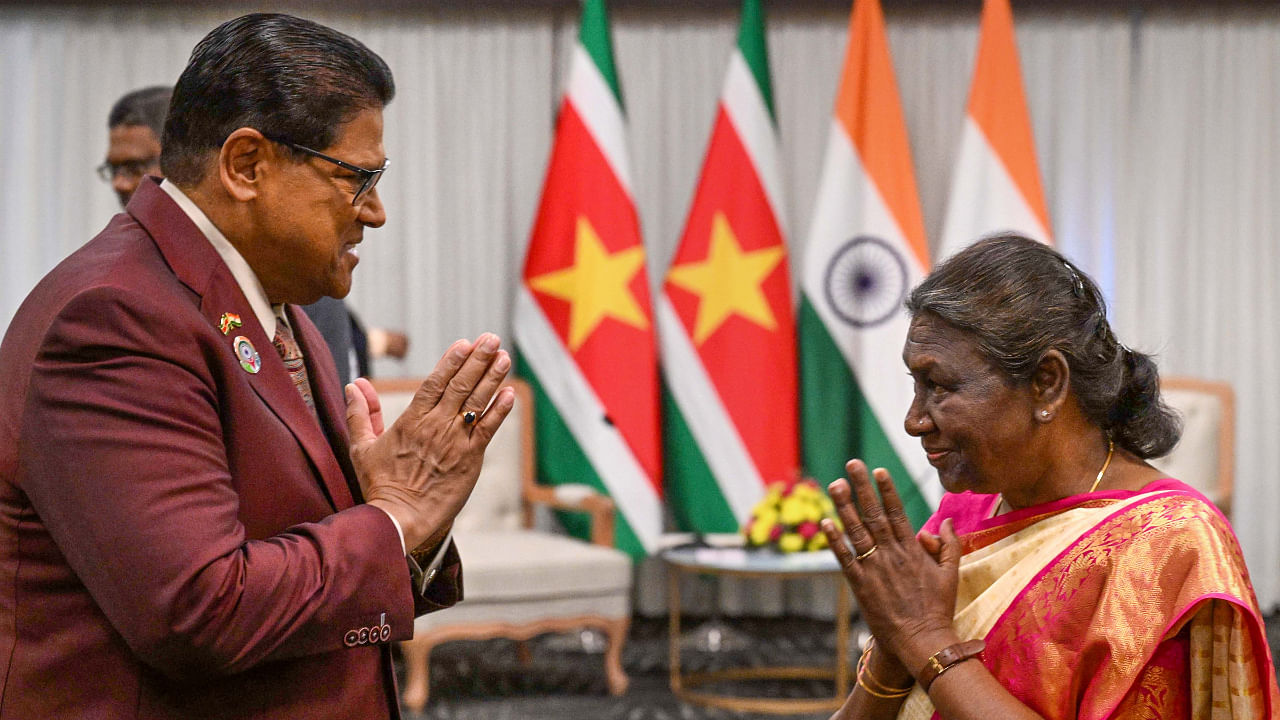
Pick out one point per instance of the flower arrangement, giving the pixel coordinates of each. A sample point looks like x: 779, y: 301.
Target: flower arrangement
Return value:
x: 786, y: 519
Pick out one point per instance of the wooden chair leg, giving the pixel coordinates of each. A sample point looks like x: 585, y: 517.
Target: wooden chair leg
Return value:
x: 417, y: 682
x: 616, y: 630
x: 523, y: 654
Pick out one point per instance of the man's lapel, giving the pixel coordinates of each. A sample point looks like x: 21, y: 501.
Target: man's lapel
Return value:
x: 200, y: 268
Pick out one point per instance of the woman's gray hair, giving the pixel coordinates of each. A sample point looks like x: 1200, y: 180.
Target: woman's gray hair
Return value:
x: 1018, y: 299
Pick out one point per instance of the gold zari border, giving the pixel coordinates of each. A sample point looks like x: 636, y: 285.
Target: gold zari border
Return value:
x: 1077, y: 642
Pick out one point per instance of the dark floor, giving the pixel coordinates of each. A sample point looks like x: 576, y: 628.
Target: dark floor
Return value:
x: 485, y: 681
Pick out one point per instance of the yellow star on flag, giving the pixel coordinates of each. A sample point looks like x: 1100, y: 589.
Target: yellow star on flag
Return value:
x: 596, y: 286
x: 728, y: 281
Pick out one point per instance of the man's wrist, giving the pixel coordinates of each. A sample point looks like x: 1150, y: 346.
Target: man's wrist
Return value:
x: 410, y: 534
x: 399, y: 530
x: 415, y: 530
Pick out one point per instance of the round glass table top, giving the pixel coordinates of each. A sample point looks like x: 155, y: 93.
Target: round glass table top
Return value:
x: 721, y: 552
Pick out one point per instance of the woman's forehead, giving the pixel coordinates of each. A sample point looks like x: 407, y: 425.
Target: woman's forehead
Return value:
x: 932, y: 341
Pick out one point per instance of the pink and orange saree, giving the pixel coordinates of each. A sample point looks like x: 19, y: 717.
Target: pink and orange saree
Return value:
x: 1111, y: 605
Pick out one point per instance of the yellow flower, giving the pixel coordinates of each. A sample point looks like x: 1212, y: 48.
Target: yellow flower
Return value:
x: 760, y: 532
x: 790, y: 542
x: 805, y: 490
x: 766, y: 515
x: 818, y: 542
x: 794, y: 511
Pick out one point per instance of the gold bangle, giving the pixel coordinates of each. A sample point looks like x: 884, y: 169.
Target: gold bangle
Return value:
x: 876, y: 681
x: 884, y: 690
x: 894, y: 696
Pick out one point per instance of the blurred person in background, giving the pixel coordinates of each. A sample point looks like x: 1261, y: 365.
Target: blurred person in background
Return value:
x: 134, y: 128
x: 353, y: 347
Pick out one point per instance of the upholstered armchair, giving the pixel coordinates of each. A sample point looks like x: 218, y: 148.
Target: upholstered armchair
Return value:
x: 520, y: 581
x: 1205, y: 457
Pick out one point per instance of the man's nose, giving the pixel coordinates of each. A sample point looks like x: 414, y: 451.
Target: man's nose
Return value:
x: 372, y: 212
x: 123, y: 182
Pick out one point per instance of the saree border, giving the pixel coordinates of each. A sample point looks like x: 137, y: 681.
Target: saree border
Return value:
x: 1188, y: 507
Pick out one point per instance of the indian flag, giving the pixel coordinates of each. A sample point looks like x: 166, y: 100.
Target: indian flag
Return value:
x: 725, y: 315
x: 866, y: 249
x: 996, y: 183
x: 583, y: 320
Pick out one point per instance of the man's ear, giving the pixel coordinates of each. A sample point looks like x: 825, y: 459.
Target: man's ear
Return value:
x: 241, y: 162
x: 1050, y: 383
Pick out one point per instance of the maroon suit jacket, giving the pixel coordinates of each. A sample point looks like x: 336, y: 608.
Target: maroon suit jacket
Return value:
x: 179, y: 538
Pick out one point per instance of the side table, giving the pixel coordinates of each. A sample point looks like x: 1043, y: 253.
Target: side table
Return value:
x: 739, y: 562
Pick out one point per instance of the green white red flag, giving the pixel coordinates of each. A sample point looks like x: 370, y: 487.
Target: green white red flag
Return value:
x: 866, y: 248
x: 996, y: 183
x: 725, y: 314
x: 583, y: 320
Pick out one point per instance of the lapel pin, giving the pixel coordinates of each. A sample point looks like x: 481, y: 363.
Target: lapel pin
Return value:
x: 249, y: 358
x: 229, y: 322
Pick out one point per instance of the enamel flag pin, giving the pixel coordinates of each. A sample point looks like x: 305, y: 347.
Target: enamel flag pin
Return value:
x: 229, y: 322
x: 249, y: 358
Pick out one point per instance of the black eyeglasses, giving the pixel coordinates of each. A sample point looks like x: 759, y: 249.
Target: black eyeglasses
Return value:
x: 368, y: 178
x: 130, y: 169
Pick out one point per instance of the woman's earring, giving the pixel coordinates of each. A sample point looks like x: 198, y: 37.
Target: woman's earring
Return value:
x: 1044, y: 414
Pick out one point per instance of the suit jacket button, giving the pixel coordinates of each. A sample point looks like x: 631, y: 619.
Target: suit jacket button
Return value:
x: 351, y: 639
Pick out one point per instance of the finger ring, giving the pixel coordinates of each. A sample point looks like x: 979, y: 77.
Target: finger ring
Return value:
x: 867, y: 554
x: 468, y: 417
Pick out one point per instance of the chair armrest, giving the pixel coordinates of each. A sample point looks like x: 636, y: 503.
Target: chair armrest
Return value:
x: 575, y: 497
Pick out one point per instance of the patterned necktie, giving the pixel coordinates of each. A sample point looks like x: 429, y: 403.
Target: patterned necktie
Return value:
x: 291, y: 354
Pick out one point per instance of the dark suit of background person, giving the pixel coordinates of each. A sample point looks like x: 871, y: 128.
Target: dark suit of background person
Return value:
x: 180, y: 536
x: 352, y: 346
x: 333, y: 320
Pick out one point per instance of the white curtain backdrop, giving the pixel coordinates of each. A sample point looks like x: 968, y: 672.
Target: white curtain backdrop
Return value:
x: 1156, y: 140
x: 1198, y: 269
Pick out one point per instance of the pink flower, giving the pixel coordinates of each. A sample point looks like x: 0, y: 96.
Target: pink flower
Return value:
x: 775, y: 533
x: 808, y: 530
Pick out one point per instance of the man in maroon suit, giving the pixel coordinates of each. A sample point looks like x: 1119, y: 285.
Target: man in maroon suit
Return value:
x: 194, y: 523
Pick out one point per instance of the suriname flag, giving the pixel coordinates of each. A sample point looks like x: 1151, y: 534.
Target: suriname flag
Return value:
x: 725, y: 315
x: 583, y: 320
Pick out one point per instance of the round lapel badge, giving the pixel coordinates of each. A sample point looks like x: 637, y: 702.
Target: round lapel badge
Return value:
x: 249, y: 358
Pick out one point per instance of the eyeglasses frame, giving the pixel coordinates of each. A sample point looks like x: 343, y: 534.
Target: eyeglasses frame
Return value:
x: 109, y: 170
x: 369, y: 177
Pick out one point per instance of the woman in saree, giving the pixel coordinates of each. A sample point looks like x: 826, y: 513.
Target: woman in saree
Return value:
x: 1062, y: 575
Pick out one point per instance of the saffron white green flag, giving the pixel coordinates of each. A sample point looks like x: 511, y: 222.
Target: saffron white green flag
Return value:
x: 583, y: 321
x: 725, y: 315
x: 865, y: 250
x: 996, y: 183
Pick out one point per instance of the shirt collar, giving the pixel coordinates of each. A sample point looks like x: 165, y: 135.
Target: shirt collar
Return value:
x: 239, y: 267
